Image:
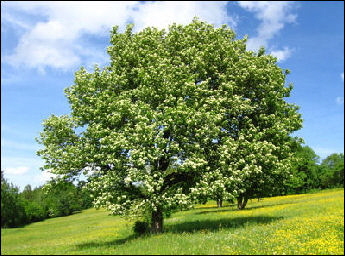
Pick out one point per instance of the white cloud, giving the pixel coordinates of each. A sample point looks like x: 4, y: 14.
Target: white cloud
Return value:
x: 282, y: 54
x: 161, y: 14
x: 273, y: 16
x: 24, y: 170
x: 56, y: 40
x: 8, y: 162
x: 342, y: 76
x: 17, y: 170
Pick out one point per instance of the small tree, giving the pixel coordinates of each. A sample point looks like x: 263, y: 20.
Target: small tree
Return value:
x: 171, y: 110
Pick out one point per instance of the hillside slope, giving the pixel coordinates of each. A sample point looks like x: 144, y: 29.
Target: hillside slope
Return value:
x: 294, y: 224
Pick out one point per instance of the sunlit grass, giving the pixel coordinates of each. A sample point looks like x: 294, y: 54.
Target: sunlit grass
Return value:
x: 294, y: 224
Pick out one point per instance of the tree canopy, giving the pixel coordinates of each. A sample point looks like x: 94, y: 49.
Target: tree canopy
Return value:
x: 305, y: 171
x: 332, y: 171
x: 12, y: 210
x: 179, y: 115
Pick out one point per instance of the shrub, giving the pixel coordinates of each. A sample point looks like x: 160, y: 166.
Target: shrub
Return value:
x: 141, y: 227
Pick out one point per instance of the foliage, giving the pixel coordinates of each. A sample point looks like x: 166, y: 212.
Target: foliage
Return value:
x: 178, y: 115
x: 34, y: 211
x: 34, y: 205
x: 55, y: 199
x: 309, y: 174
x: 84, y: 195
x: 332, y: 171
x: 12, y: 209
x: 61, y: 198
x: 141, y: 227
x: 306, y: 171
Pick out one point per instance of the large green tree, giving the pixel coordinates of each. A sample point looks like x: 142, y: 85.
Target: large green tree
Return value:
x: 177, y: 114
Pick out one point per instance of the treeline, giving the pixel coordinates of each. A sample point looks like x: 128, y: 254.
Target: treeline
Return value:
x: 56, y: 200
x: 309, y: 173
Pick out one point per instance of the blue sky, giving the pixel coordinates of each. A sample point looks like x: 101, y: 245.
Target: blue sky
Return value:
x: 44, y: 43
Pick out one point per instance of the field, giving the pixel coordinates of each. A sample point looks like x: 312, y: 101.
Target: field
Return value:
x: 294, y: 224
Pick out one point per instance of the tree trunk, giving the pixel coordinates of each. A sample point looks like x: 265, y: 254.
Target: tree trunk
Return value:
x: 239, y: 202
x: 219, y: 203
x: 157, y: 221
x: 242, y: 202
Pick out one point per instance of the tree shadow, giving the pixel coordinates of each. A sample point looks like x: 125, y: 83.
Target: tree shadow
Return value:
x: 222, y: 209
x: 216, y: 225
x: 234, y: 208
x: 263, y: 206
x: 119, y: 241
x: 226, y: 205
x: 188, y: 227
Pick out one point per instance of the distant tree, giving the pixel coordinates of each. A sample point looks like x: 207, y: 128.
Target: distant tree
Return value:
x: 84, y: 195
x: 171, y: 110
x: 27, y: 193
x: 34, y: 211
x: 306, y: 171
x: 332, y: 172
x: 34, y: 204
x: 61, y: 198
x: 12, y: 209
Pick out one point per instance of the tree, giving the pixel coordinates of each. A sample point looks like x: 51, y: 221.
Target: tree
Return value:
x: 306, y: 171
x: 12, y: 209
x: 27, y: 193
x: 35, y: 207
x: 332, y: 171
x: 84, y: 195
x: 174, y: 110
x: 255, y: 149
x: 61, y: 198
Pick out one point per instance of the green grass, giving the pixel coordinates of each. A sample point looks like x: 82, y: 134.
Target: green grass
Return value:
x: 295, y: 224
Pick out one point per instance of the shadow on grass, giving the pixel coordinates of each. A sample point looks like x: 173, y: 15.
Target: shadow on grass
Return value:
x: 234, y: 208
x: 263, y: 206
x: 106, y: 244
x: 223, y: 209
x: 189, y: 227
x: 215, y: 225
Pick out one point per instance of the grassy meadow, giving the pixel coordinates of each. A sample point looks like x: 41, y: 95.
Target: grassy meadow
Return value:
x: 294, y: 224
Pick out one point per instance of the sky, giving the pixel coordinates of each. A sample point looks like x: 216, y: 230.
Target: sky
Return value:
x: 44, y: 43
